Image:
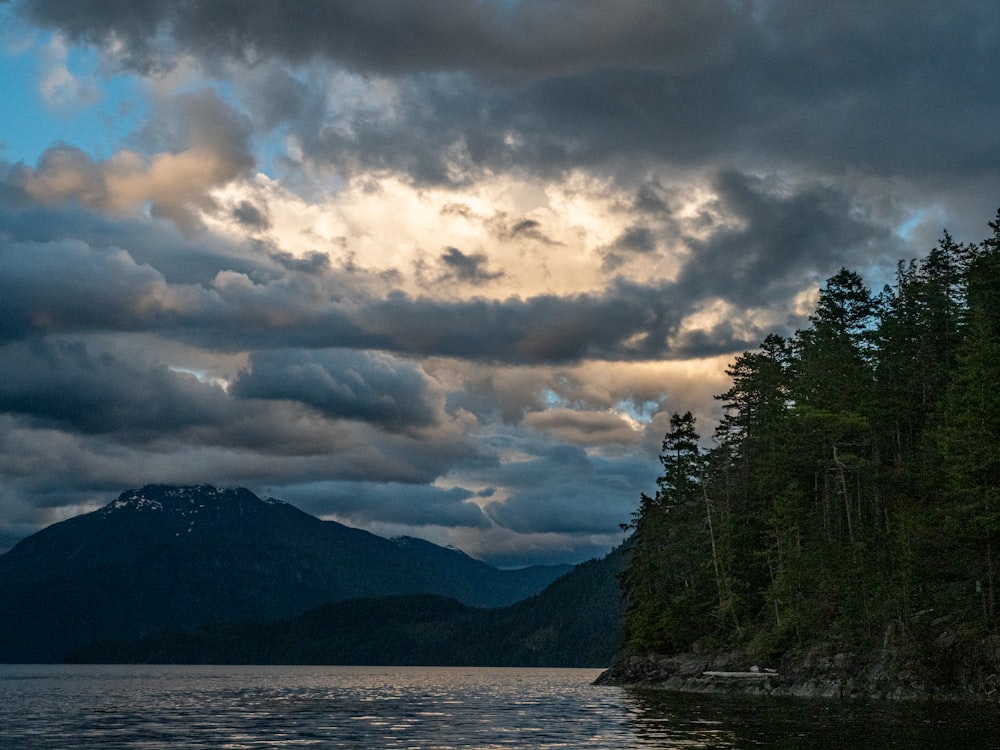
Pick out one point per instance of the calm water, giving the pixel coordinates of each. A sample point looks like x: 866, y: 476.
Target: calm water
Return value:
x: 149, y: 707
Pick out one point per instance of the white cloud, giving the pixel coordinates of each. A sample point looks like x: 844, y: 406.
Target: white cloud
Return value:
x: 536, y: 237
x: 60, y: 89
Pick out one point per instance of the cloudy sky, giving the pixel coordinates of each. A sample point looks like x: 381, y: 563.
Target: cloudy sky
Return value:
x: 445, y: 267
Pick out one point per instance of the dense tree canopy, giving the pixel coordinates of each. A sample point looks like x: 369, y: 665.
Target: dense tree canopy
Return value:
x: 852, y: 494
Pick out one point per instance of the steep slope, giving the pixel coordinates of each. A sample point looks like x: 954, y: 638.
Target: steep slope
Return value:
x: 574, y: 622
x: 176, y: 557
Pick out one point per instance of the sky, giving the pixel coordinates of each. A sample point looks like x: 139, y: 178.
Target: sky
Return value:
x: 445, y: 268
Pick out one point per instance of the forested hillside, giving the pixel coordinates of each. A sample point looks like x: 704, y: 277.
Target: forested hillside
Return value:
x: 163, y: 557
x: 574, y: 622
x: 851, y: 499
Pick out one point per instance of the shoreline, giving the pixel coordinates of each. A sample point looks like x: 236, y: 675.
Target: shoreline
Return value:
x: 841, y: 677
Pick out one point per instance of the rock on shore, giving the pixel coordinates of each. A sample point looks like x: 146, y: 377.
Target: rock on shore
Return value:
x: 807, y: 675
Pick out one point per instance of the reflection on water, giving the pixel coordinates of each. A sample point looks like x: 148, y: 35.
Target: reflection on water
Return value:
x: 348, y: 707
x: 442, y: 708
x: 668, y: 720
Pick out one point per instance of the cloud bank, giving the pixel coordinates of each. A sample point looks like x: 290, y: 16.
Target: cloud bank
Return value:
x: 446, y: 268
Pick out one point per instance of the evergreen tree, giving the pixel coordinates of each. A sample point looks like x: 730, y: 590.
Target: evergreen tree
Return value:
x: 679, y: 484
x: 969, y: 438
x: 671, y: 600
x: 853, y: 496
x: 836, y: 353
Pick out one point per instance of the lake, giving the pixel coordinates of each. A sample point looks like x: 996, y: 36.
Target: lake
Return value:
x: 149, y: 707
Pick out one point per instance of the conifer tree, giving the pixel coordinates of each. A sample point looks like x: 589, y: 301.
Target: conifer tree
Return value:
x: 852, y: 499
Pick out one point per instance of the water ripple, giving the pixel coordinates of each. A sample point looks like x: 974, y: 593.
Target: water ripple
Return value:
x: 246, y: 708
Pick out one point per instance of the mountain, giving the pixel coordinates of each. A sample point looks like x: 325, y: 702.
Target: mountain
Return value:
x: 163, y: 557
x: 574, y: 622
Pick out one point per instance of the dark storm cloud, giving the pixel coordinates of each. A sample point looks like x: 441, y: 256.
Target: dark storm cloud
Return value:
x: 546, y: 328
x: 250, y: 216
x: 470, y: 268
x: 562, y: 489
x: 773, y: 238
x: 600, y: 118
x: 180, y: 258
x: 650, y: 198
x: 273, y: 95
x: 389, y: 502
x: 880, y: 85
x: 64, y: 385
x: 45, y: 465
x: 883, y: 88
x: 493, y: 38
x: 525, y: 229
x: 69, y: 286
x: 583, y: 427
x: 342, y: 384
x: 501, y: 225
x: 199, y: 119
x: 310, y: 263
x: 802, y: 132
x: 636, y: 240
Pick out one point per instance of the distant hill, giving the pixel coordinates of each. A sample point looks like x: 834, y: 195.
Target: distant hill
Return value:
x: 163, y: 557
x: 575, y: 622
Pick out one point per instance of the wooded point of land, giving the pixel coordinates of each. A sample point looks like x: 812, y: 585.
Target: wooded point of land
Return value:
x: 851, y: 499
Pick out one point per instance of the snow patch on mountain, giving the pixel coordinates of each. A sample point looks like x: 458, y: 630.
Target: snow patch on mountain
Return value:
x: 179, y: 500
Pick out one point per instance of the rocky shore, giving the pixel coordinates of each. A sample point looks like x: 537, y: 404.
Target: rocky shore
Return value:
x: 808, y: 675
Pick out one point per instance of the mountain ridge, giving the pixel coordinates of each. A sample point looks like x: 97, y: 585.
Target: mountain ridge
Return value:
x: 574, y: 622
x: 164, y: 556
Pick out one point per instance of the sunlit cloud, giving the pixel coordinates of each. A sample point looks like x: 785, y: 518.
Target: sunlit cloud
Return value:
x: 445, y: 269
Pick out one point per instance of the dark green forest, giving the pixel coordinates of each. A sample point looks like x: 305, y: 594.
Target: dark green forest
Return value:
x: 574, y: 622
x: 851, y: 497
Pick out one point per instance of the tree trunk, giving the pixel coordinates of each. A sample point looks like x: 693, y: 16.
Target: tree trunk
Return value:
x: 843, y: 488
